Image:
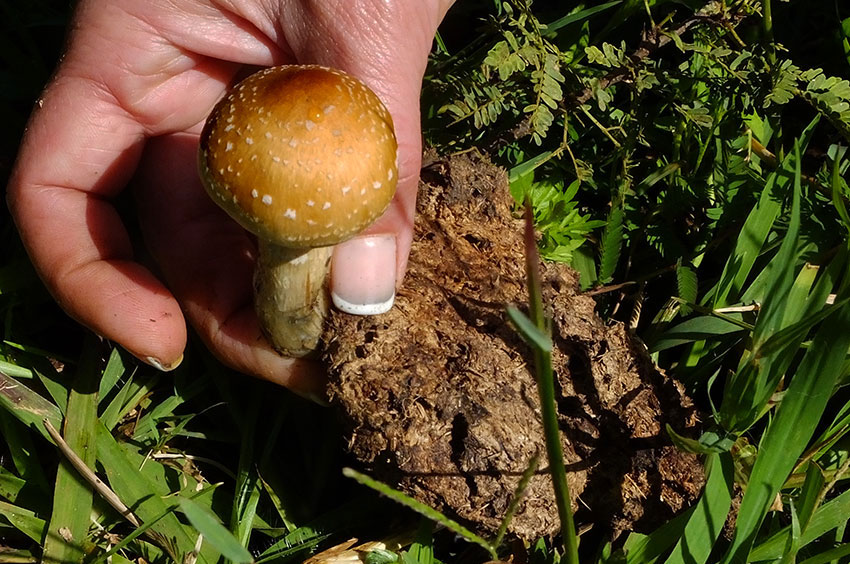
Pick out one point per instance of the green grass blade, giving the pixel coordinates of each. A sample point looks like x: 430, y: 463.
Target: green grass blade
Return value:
x: 56, y: 386
x: 141, y: 530
x: 790, y: 337
x: 141, y: 494
x: 24, y: 520
x: 529, y: 331
x: 10, y: 485
x: 525, y: 168
x: 749, y: 244
x: 214, y: 532
x: 72, y: 497
x: 707, y: 520
x: 580, y: 15
x: 112, y: 373
x: 420, y: 508
x: 25, y: 457
x: 546, y: 391
x: 422, y: 549
x: 247, y: 494
x: 751, y: 386
x: 829, y: 516
x: 642, y: 549
x: 515, y: 499
x: 707, y: 327
x: 269, y: 471
x: 16, y: 371
x: 15, y: 556
x: 283, y: 550
x: 810, y: 495
x: 757, y: 227
x: 27, y: 406
x: 125, y: 399
x: 833, y: 555
x: 793, y: 426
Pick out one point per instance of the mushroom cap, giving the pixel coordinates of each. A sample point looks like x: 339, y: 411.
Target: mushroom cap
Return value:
x: 301, y: 156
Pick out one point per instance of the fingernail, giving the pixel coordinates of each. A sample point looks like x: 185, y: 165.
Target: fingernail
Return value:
x: 161, y: 366
x: 363, y: 275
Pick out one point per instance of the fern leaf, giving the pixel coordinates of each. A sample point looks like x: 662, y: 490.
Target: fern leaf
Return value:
x: 612, y: 243
x: 686, y: 281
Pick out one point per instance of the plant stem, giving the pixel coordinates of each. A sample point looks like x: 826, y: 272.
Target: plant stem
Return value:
x: 546, y: 390
x: 767, y: 25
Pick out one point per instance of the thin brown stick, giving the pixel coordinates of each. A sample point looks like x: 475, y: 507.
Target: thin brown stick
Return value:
x: 89, y: 476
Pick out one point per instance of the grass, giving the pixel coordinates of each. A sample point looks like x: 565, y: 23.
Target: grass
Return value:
x: 697, y: 181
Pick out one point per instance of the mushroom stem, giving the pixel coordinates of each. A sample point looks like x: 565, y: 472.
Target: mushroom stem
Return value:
x: 291, y: 297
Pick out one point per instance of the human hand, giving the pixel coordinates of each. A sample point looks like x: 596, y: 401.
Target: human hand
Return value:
x: 126, y: 106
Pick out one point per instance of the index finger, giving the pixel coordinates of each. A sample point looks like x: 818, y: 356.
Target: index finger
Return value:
x: 79, y: 150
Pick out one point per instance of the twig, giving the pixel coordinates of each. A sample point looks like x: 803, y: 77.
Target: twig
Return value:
x: 99, y: 486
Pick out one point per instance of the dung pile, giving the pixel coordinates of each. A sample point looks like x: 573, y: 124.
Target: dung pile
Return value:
x: 438, y: 397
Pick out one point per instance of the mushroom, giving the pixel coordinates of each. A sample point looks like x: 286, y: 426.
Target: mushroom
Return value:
x: 304, y: 157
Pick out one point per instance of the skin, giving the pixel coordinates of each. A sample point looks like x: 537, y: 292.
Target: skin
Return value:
x: 125, y: 108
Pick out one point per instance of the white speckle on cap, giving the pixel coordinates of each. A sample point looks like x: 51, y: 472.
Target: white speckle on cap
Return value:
x: 235, y: 199
x: 336, y: 132
x: 268, y: 135
x: 345, y: 189
x: 338, y: 152
x: 326, y: 206
x: 311, y: 222
x: 276, y: 159
x: 293, y: 143
x: 362, y: 191
x: 221, y: 171
x: 328, y: 109
x: 254, y: 193
x: 309, y: 125
x: 267, y: 200
x: 290, y: 213
x: 310, y: 203
x: 229, y: 146
x: 389, y: 174
x: 229, y: 127
x: 377, y: 185
x: 249, y: 140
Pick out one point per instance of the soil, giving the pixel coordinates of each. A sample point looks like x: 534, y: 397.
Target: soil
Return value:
x: 439, y: 400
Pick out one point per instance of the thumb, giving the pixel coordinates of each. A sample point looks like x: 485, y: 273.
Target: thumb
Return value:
x: 386, y: 45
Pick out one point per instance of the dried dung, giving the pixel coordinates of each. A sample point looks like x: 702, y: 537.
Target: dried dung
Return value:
x: 438, y: 398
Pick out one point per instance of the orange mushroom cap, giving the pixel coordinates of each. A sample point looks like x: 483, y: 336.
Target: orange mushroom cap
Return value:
x: 302, y: 156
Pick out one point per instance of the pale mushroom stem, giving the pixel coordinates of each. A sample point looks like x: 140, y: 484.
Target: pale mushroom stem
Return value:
x: 291, y: 297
